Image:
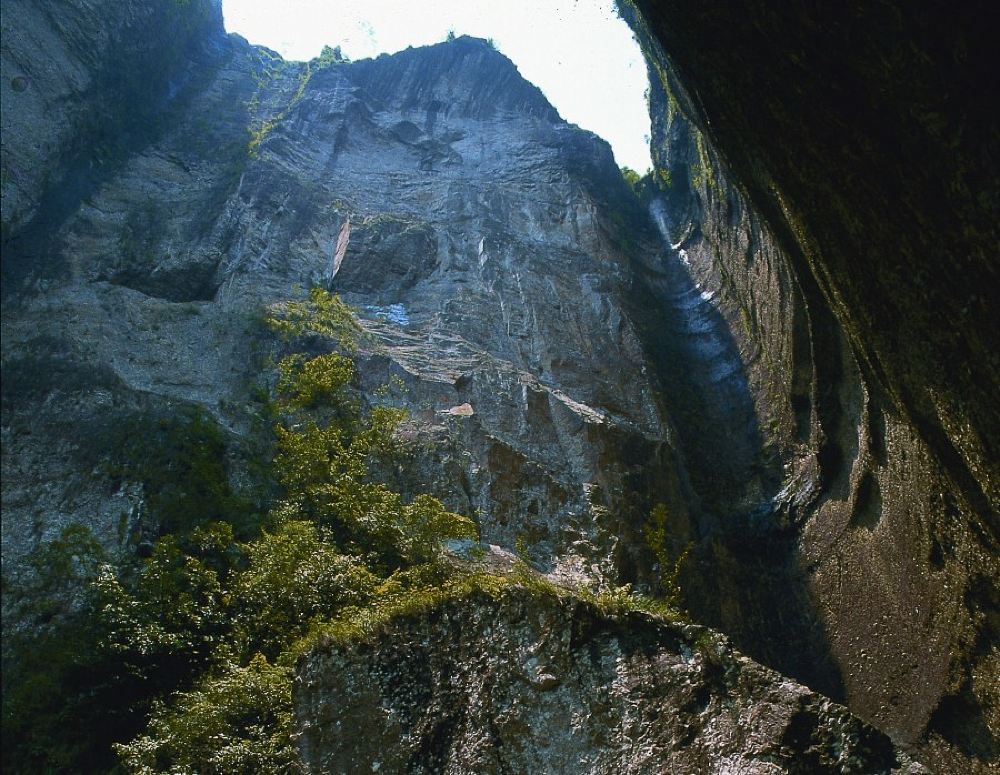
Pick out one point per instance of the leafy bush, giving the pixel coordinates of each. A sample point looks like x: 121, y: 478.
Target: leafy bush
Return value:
x: 196, y: 643
x: 294, y: 576
x: 172, y: 611
x: 631, y: 176
x: 50, y: 657
x: 330, y: 56
x: 238, y: 720
x: 181, y: 461
x: 321, y: 314
x: 304, y: 384
x: 341, y: 544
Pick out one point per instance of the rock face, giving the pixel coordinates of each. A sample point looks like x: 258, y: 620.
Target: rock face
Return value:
x: 489, y: 246
x: 530, y: 683
x: 879, y: 167
x: 810, y: 222
x: 83, y: 84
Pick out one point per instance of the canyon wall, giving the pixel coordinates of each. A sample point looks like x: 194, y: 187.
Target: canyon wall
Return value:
x: 786, y: 343
x: 488, y: 246
x: 846, y: 240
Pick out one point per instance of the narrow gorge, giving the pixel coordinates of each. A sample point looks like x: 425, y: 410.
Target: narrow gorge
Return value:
x: 361, y: 416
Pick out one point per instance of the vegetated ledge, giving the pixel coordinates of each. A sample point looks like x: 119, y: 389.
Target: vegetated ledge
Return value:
x: 514, y: 674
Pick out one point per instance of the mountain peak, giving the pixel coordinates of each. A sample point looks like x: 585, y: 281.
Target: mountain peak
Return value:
x: 465, y: 76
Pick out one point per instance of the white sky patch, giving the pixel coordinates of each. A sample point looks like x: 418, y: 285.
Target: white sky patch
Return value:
x: 578, y: 52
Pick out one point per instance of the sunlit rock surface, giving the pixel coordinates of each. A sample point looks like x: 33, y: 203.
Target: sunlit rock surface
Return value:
x: 488, y: 246
x: 529, y: 683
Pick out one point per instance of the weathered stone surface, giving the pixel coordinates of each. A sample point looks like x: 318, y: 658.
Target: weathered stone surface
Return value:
x: 530, y: 683
x: 565, y: 366
x: 866, y: 141
x: 83, y: 83
x: 488, y: 245
x: 875, y: 535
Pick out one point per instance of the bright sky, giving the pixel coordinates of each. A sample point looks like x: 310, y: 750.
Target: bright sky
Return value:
x: 578, y: 52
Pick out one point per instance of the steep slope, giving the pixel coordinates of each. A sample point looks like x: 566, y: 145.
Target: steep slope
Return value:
x: 495, y: 254
x: 569, y: 361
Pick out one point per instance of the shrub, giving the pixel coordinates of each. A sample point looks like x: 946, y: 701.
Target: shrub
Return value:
x: 341, y: 546
x: 238, y: 720
x: 655, y: 533
x: 321, y: 314
x: 164, y: 623
x: 55, y: 672
x: 330, y: 56
x: 295, y: 575
x: 323, y: 380
x: 631, y: 176
x: 181, y: 461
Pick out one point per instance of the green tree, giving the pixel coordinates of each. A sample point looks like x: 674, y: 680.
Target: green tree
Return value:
x: 195, y: 642
x: 295, y: 575
x: 303, y: 384
x: 172, y: 614
x: 54, y: 673
x: 330, y: 56
x: 322, y: 314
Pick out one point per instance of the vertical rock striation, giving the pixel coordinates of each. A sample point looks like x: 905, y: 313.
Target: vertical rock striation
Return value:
x: 569, y: 360
x: 489, y: 246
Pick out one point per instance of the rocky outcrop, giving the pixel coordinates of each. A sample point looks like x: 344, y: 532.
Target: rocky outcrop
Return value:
x: 532, y: 683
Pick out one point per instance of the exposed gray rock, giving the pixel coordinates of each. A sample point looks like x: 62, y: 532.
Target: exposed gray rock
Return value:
x: 885, y: 569
x: 488, y: 245
x: 83, y: 83
x: 532, y: 683
x: 566, y: 366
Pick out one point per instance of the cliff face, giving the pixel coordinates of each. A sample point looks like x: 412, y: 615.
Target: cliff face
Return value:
x: 875, y: 158
x: 83, y: 84
x: 843, y: 239
x: 488, y: 245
